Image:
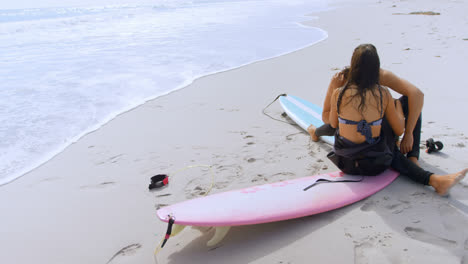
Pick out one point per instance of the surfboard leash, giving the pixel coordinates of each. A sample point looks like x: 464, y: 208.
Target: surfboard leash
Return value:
x: 158, y: 181
x: 161, y: 180
x: 329, y: 181
x: 166, y: 237
x: 433, y: 146
x: 276, y: 119
x: 168, y: 231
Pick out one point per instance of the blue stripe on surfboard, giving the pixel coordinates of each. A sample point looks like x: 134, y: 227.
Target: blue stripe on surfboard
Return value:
x: 312, y: 106
x: 304, y: 113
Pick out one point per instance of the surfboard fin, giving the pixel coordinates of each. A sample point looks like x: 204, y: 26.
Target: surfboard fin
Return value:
x: 220, y: 233
x: 176, y: 229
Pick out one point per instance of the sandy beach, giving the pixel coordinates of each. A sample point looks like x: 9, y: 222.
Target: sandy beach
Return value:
x: 91, y: 204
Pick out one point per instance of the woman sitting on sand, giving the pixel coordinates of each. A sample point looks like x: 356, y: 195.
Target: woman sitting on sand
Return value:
x: 411, y: 101
x: 367, y: 120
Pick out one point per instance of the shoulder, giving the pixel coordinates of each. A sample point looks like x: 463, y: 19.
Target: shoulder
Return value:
x: 385, y: 93
x: 384, y: 88
x: 387, y: 76
x: 389, y: 79
x: 337, y: 92
x: 396, y: 83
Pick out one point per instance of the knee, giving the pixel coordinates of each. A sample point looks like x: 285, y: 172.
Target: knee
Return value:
x: 404, y: 104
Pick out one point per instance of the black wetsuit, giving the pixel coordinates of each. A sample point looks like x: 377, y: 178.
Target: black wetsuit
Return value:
x: 399, y: 161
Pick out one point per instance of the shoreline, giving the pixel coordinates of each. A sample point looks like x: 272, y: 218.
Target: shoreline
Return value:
x: 91, y: 201
x: 53, y: 153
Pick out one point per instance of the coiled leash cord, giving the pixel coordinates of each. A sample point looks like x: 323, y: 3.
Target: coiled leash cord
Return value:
x: 276, y: 119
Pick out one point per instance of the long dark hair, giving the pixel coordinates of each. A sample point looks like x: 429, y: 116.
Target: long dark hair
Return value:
x: 363, y: 73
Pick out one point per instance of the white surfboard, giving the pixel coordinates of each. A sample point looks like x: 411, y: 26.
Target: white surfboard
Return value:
x: 304, y: 113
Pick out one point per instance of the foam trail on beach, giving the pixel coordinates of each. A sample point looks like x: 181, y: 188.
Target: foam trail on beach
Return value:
x: 67, y: 71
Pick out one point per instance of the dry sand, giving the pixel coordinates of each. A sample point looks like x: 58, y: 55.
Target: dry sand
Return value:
x: 90, y: 203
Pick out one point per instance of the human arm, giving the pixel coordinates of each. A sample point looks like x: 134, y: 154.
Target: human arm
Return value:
x: 394, y: 114
x: 415, y: 104
x: 336, y: 81
x: 333, y: 117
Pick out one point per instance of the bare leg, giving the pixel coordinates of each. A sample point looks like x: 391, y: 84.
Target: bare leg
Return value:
x: 443, y: 183
x: 311, y: 130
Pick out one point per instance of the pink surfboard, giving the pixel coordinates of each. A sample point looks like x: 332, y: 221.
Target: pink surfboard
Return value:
x: 276, y: 201
x: 281, y: 200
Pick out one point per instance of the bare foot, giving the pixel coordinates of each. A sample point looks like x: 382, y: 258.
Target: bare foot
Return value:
x: 313, y: 136
x: 414, y: 160
x: 443, y: 183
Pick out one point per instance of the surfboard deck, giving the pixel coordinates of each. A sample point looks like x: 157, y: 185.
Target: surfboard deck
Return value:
x: 304, y: 113
x: 276, y: 201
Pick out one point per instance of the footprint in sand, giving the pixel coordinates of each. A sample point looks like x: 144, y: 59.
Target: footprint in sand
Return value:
x: 260, y: 178
x: 369, y: 205
x: 242, y: 133
x: 273, y: 156
x: 293, y: 136
x: 226, y: 174
x: 421, y: 235
x: 372, y: 249
x: 126, y: 251
x: 195, y: 188
x: 396, y: 207
x: 360, y: 251
x: 301, y: 157
x: 314, y: 168
x: 316, y: 150
x: 251, y: 160
x: 159, y: 206
x: 281, y: 176
x: 113, y: 159
x: 223, y: 176
x: 45, y: 180
x: 229, y: 110
x: 98, y: 186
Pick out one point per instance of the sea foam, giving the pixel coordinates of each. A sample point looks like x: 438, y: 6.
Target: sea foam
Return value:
x: 66, y: 71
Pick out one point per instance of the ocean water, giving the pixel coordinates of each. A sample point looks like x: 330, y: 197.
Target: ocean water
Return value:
x: 66, y: 71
